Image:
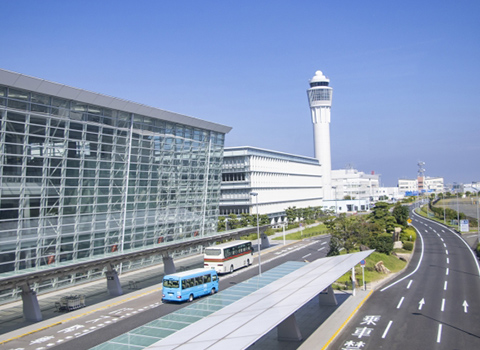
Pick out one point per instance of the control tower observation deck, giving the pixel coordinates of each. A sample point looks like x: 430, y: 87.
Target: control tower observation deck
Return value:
x: 320, y: 100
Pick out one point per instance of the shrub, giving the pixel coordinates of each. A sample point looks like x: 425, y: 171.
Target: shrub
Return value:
x: 408, y: 246
x: 478, y: 249
x: 382, y: 243
x: 408, y: 235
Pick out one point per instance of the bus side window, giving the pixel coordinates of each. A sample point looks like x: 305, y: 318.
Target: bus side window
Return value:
x: 214, y: 278
x: 207, y: 279
x: 198, y: 280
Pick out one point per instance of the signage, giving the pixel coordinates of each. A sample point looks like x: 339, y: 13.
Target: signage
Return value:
x: 464, y: 226
x: 362, y: 263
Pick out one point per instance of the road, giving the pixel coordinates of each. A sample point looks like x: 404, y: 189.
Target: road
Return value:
x: 105, y: 324
x: 434, y: 304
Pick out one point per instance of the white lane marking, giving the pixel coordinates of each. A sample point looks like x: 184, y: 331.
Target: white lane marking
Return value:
x: 438, y: 234
x: 442, y: 239
x: 303, y: 257
x: 439, y: 334
x: 469, y: 249
x: 448, y: 261
x: 324, y: 243
x: 446, y: 252
x: 466, y: 244
x: 409, y: 284
x: 445, y: 285
x: 400, y: 303
x: 320, y: 249
x: 444, y: 245
x: 446, y: 271
x: 386, y: 330
x: 443, y: 305
x: 416, y: 268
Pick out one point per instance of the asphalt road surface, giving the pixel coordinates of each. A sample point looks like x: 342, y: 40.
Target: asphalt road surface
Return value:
x: 93, y: 329
x: 434, y: 304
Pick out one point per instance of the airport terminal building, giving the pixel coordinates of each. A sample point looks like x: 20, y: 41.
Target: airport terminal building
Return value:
x: 86, y: 175
x: 280, y: 180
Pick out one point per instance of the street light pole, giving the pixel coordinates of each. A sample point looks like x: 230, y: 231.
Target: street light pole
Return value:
x: 478, y: 223
x: 255, y: 194
x: 335, y: 188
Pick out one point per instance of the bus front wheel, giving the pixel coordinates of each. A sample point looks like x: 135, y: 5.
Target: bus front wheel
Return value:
x: 190, y: 298
x: 212, y: 291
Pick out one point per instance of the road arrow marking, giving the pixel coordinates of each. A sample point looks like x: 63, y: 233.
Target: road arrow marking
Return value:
x: 465, y: 306
x: 421, y: 303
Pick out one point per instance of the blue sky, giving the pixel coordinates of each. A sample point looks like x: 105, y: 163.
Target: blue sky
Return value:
x: 405, y: 75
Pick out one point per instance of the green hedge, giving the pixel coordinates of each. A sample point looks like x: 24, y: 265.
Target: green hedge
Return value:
x: 408, y: 245
x: 408, y: 235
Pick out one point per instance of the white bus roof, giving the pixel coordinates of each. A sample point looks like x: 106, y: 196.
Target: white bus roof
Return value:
x: 187, y: 273
x: 228, y: 244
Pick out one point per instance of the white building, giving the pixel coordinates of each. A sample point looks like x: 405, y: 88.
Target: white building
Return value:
x: 406, y: 186
x: 434, y: 184
x: 320, y: 101
x: 281, y: 180
x: 355, y: 184
x: 415, y: 186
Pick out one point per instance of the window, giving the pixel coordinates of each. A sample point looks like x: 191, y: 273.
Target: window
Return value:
x: 170, y: 283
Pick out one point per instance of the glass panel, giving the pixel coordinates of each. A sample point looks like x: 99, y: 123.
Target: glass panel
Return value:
x: 18, y: 94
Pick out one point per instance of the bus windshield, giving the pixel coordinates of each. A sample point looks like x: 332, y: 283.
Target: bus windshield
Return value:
x: 171, y: 283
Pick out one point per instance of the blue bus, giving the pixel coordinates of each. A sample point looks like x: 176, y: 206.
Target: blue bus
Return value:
x: 188, y: 285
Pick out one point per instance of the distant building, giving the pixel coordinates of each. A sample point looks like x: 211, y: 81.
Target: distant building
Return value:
x: 281, y: 180
x: 407, y: 186
x: 355, y: 184
x: 420, y: 185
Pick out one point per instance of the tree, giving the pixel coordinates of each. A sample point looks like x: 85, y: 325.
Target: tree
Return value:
x: 232, y: 221
x: 221, y: 223
x: 400, y: 212
x: 246, y: 220
x: 291, y: 213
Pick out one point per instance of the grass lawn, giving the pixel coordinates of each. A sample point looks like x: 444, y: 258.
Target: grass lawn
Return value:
x: 307, y: 232
x: 393, y: 263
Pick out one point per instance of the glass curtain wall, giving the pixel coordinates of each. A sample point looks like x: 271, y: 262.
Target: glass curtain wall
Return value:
x: 80, y: 181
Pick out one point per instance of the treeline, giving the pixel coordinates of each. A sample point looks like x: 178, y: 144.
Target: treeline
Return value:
x: 449, y: 215
x: 294, y: 215
x: 372, y: 231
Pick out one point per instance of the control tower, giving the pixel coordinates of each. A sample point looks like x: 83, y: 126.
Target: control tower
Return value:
x: 320, y: 100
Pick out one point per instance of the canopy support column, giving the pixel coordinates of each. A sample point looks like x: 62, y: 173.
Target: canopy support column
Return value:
x: 31, y: 308
x: 327, y: 297
x: 288, y: 330
x: 113, y: 282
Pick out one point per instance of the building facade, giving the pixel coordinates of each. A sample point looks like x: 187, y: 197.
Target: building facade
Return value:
x: 355, y: 184
x: 85, y: 175
x: 320, y: 102
x: 281, y: 180
x: 420, y: 185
